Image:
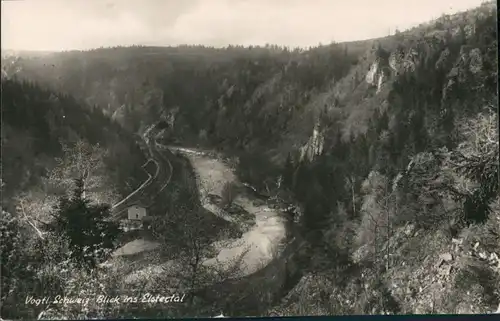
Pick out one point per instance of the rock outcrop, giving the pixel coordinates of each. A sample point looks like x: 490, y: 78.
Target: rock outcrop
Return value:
x: 372, y: 74
x: 314, y: 145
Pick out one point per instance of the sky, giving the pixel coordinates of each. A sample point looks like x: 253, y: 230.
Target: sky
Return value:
x: 56, y: 25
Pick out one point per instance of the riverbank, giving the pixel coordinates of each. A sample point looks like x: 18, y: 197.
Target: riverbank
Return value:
x: 262, y: 264
x: 257, y: 246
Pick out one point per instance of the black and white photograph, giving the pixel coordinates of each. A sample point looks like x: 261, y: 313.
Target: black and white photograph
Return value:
x: 248, y: 158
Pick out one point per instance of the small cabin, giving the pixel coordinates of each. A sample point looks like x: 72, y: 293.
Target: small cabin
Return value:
x: 136, y: 213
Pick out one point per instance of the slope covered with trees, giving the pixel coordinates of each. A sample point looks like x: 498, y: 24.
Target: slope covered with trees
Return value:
x: 388, y: 147
x: 37, y: 126
x: 51, y: 146
x: 64, y: 164
x: 400, y: 187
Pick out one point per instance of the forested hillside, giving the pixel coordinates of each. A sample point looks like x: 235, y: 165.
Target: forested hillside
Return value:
x: 50, y: 145
x: 389, y: 148
x: 37, y: 124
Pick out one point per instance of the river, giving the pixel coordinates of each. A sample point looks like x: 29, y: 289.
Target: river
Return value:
x: 257, y: 246
x: 267, y: 269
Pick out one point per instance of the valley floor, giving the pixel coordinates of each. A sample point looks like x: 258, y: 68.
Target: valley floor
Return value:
x: 256, y: 247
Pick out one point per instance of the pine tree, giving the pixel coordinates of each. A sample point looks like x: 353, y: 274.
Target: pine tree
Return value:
x: 90, y: 235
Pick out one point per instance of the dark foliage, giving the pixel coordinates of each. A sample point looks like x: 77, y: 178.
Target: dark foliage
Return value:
x: 36, y: 121
x: 262, y: 104
x: 86, y: 227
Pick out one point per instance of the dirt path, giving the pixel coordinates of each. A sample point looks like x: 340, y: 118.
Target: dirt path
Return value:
x: 260, y: 242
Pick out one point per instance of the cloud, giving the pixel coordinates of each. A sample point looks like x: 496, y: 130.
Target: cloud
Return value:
x: 304, y: 23
x: 83, y: 24
x: 63, y: 24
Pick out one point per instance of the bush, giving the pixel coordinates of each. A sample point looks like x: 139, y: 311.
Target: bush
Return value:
x: 481, y: 285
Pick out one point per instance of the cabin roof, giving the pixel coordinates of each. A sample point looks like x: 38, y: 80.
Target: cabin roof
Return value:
x: 137, y: 205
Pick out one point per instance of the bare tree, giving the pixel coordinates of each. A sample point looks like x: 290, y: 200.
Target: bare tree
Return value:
x: 187, y: 235
x: 351, y: 183
x: 83, y: 161
x: 228, y: 194
x: 374, y: 229
x: 35, y: 207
